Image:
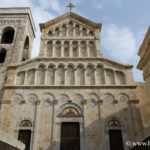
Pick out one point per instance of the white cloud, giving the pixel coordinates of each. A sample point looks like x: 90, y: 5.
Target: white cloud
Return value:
x: 42, y: 12
x: 99, y: 5
x: 119, y: 43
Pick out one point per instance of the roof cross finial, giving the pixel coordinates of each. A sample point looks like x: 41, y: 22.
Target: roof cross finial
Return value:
x: 70, y: 6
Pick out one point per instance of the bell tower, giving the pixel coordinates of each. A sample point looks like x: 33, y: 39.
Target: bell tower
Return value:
x: 17, y: 32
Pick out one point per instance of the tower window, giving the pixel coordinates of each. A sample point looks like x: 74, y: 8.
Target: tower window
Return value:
x: 8, y: 35
x: 2, y: 55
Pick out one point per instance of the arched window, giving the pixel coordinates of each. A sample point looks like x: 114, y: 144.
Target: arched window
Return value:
x: 70, y: 78
x: 2, y: 55
x: 110, y: 76
x: 51, y: 75
x: 120, y: 77
x: 26, y: 44
x: 64, y: 30
x: 66, y: 49
x: 58, y: 49
x: 25, y: 133
x: 60, y: 75
x: 100, y: 75
x: 8, y: 35
x: 90, y: 75
x: 25, y: 55
x: 50, y: 33
x: 49, y: 49
x: 83, y: 49
x: 75, y: 49
x: 80, y: 76
x: 41, y: 74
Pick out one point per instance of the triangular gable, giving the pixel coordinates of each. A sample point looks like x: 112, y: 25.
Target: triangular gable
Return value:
x: 73, y: 16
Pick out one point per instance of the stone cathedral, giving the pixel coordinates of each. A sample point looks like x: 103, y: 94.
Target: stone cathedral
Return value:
x: 69, y: 97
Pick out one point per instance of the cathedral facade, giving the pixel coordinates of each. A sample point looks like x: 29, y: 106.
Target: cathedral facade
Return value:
x: 69, y: 96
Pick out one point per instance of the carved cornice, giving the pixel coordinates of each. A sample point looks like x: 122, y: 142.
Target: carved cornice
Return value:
x: 71, y: 87
x: 70, y: 15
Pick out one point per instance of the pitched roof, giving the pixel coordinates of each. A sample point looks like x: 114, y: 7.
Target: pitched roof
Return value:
x: 70, y: 15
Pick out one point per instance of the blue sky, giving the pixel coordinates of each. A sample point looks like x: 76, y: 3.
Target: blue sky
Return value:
x: 125, y: 23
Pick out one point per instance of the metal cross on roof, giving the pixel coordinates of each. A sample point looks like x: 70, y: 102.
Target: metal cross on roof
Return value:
x: 70, y: 6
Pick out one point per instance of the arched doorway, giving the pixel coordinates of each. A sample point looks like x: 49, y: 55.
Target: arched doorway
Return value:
x: 115, y: 135
x: 24, y: 134
x: 70, y: 117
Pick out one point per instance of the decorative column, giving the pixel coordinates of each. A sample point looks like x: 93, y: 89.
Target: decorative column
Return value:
x: 83, y: 139
x: 65, y: 77
x: 35, y: 79
x: 71, y: 50
x: 36, y: 125
x: 62, y: 54
x: 105, y: 76
x: 88, y: 49
x: 115, y: 78
x: 46, y: 82
x: 25, y: 78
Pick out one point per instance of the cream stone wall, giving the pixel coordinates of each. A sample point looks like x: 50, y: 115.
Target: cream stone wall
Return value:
x: 69, y: 72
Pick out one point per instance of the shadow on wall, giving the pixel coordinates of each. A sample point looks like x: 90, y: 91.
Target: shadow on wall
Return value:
x: 110, y: 133
x: 5, y: 146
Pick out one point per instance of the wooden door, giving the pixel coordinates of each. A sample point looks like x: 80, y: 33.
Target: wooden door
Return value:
x: 25, y: 137
x: 70, y: 136
x: 115, y: 140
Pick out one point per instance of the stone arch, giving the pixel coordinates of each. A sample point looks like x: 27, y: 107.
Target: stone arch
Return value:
x: 123, y: 97
x: 93, y: 99
x: 33, y: 98
x: 25, y: 133
x: 2, y: 55
x: 48, y: 98
x: 78, y: 97
x: 77, y: 30
x: 41, y: 74
x: 92, y: 49
x: 66, y: 49
x: 49, y: 48
x: 58, y: 49
x: 20, y: 78
x: 50, y: 33
x: 91, y: 33
x: 90, y: 75
x: 80, y: 76
x: 110, y: 78
x: 70, y: 75
x: 18, y: 98
x: 64, y: 30
x: 70, y: 28
x: 70, y: 105
x: 64, y: 97
x: 75, y: 49
x: 51, y: 74
x: 7, y: 35
x: 120, y: 76
x: 57, y: 31
x: 114, y: 121
x: 109, y: 98
x: 31, y: 76
x: 25, y: 123
x: 83, y: 49
x: 25, y: 54
x: 60, y: 75
x: 100, y: 77
x: 84, y: 31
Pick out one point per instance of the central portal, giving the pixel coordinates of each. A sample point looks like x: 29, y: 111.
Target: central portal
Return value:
x: 70, y: 136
